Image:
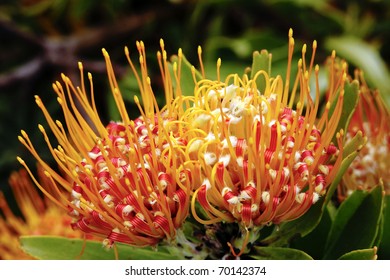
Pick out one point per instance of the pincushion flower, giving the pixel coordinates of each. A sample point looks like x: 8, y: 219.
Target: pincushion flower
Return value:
x: 372, y: 165
x: 126, y: 180
x: 265, y: 156
x: 40, y: 216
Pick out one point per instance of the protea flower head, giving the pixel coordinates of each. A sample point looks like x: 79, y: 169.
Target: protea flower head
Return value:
x: 40, y: 216
x: 266, y: 156
x: 372, y: 165
x: 126, y: 180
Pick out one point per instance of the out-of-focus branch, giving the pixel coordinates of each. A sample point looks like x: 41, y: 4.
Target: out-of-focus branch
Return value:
x: 11, y: 29
x: 26, y: 71
x: 63, y: 52
x: 96, y: 37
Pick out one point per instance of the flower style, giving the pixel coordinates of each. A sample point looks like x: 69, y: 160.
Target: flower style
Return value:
x: 263, y: 160
x: 126, y: 178
x: 40, y: 216
x: 372, y: 164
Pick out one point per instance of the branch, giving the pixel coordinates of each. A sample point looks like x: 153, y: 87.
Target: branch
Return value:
x: 13, y: 30
x: 24, y: 72
x: 62, y: 51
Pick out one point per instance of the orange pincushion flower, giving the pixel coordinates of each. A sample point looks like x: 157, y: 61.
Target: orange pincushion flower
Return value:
x: 262, y: 159
x: 127, y: 181
x: 372, y: 164
x: 40, y: 216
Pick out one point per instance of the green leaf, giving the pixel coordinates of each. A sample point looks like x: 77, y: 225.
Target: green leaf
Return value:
x: 186, y: 80
x: 239, y: 46
x: 60, y: 248
x: 365, y: 57
x: 261, y: 61
x: 37, y: 8
x: 80, y: 9
x: 381, y: 225
x: 356, y: 143
x: 347, y: 160
x: 356, y: 223
x: 364, y: 254
x: 384, y: 247
x: 351, y: 97
x: 309, y: 243
x: 349, y: 154
x: 317, y: 5
x: 278, y: 253
x: 286, y: 232
x: 227, y: 68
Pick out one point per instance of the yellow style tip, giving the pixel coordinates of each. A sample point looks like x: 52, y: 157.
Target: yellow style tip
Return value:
x: 41, y: 128
x: 105, y: 53
x: 65, y: 78
x: 21, y: 139
x: 59, y: 124
x: 142, y: 45
x: 199, y: 50
x: 300, y: 62
x: 24, y: 133
x: 38, y: 100
x: 315, y: 44
x: 21, y: 161
x: 290, y: 32
x: 162, y: 45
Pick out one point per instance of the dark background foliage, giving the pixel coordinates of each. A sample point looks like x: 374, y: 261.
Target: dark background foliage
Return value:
x: 40, y: 39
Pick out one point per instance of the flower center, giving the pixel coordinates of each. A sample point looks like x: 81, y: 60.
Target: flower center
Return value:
x: 261, y: 161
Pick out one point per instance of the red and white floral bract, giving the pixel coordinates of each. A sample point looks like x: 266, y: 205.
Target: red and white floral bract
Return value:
x: 372, y: 164
x: 262, y: 160
x: 126, y: 180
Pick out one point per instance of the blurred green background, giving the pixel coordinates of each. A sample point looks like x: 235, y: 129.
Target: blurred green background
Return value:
x: 40, y: 39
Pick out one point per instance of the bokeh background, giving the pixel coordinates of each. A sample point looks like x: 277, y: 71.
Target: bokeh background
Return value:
x: 40, y: 39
